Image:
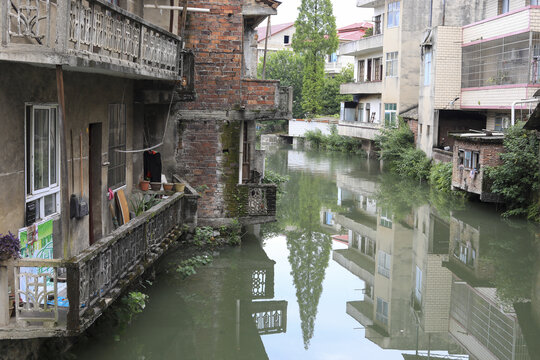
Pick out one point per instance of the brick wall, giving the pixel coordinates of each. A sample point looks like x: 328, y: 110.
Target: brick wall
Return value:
x: 489, y: 156
x: 413, y: 125
x: 216, y: 40
x: 259, y: 94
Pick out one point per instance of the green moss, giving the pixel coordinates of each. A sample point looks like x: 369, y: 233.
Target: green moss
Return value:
x: 233, y: 196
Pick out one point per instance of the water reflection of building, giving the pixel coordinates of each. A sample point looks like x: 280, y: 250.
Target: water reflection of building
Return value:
x: 401, y: 266
x: 483, y: 326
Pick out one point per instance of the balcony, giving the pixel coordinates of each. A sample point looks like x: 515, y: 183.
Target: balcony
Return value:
x: 266, y: 99
x: 367, y: 87
x: 64, y: 297
x: 87, y: 34
x: 361, y: 130
x: 370, y: 3
x: 365, y: 45
x: 257, y: 203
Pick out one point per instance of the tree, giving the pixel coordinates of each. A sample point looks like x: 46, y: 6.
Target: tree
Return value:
x: 287, y: 67
x: 517, y: 179
x: 315, y: 37
x: 331, y: 101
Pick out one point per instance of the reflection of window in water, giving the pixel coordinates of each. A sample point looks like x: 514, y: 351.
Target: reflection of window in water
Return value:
x: 418, y: 285
x: 355, y: 239
x: 328, y: 218
x: 368, y: 246
x: 382, y: 311
x: 386, y: 218
x: 368, y: 291
x: 383, y: 267
x: 465, y: 252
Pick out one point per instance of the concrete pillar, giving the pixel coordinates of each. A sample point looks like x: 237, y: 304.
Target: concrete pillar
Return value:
x: 4, y: 296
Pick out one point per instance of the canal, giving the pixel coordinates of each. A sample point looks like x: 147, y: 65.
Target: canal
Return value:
x: 360, y: 265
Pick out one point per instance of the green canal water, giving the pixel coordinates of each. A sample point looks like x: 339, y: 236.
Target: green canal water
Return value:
x: 359, y: 265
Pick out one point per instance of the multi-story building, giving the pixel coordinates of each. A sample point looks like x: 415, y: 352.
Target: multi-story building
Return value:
x: 388, y: 63
x: 90, y: 88
x: 280, y: 38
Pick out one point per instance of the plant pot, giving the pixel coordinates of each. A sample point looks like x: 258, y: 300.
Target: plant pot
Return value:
x: 144, y: 185
x: 179, y: 187
x: 167, y: 186
x: 156, y: 186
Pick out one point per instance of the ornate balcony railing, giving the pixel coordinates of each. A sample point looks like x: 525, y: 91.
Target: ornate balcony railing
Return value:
x: 257, y: 200
x: 270, y: 316
x: 87, y: 33
x: 64, y: 297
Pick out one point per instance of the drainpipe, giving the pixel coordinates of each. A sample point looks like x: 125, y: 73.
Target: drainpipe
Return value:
x: 525, y: 101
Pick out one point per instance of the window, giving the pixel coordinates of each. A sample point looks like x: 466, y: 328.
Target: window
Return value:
x: 386, y: 218
x: 368, y: 112
x: 393, y: 14
x: 42, y: 161
x: 392, y: 64
x: 428, y: 128
x: 377, y: 20
x: 504, y: 6
x: 383, y: 266
x: 501, y: 122
x: 390, y: 115
x: 332, y: 58
x: 286, y: 39
x: 361, y: 66
x: 469, y: 159
x: 534, y: 2
x: 117, y: 141
x: 382, y: 311
x: 427, y: 67
x: 377, y: 69
x: 420, y: 129
x: 361, y: 112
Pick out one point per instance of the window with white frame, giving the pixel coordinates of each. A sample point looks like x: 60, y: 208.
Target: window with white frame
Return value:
x: 382, y: 311
x: 116, y: 176
x: 42, y: 160
x: 504, y: 6
x: 383, y: 266
x: 392, y: 64
x: 390, y: 115
x: 286, y: 39
x: 393, y: 14
x: 469, y: 159
x: 427, y: 67
x: 386, y: 218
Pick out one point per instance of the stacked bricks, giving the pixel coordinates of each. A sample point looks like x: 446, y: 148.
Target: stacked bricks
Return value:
x: 259, y: 94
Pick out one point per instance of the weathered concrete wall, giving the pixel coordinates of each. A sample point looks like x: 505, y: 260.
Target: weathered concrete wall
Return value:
x: 87, y: 99
x: 298, y: 127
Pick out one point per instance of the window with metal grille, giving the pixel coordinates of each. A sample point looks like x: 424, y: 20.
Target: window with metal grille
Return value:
x: 393, y: 14
x: 116, y: 176
x: 501, y: 62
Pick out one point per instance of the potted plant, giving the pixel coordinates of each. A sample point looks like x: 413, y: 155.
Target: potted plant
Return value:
x: 156, y: 186
x: 144, y: 184
x: 10, y: 247
x: 167, y: 186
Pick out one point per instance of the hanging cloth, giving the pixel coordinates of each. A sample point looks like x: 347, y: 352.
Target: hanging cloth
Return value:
x: 152, y: 166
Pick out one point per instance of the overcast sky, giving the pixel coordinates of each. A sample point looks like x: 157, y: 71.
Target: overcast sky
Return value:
x: 345, y: 11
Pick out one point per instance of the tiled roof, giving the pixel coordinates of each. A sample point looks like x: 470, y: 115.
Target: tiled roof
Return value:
x: 274, y: 29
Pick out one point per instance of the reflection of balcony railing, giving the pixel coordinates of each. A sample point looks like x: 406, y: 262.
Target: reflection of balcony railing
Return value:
x: 94, y: 278
x: 270, y: 316
x: 87, y: 33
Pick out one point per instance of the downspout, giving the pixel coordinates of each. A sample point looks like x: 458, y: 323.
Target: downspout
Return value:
x: 443, y: 11
x: 525, y: 101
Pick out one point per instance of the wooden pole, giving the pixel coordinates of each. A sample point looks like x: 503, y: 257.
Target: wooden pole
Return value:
x: 266, y: 47
x: 64, y: 190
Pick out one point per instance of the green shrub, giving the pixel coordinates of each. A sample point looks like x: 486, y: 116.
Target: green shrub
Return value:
x: 335, y: 142
x: 413, y: 164
x: 517, y: 178
x: 392, y: 143
x: 440, y: 177
x: 189, y: 266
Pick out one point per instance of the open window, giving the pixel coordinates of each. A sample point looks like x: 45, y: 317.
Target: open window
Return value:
x: 42, y: 162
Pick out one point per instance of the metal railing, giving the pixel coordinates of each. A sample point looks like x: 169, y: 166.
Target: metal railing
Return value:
x: 89, y: 28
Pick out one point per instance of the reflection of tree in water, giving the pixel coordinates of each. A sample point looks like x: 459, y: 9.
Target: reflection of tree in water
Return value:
x: 309, y: 252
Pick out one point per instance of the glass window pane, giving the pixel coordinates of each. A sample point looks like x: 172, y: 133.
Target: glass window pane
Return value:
x: 41, y: 148
x: 50, y: 204
x: 52, y: 146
